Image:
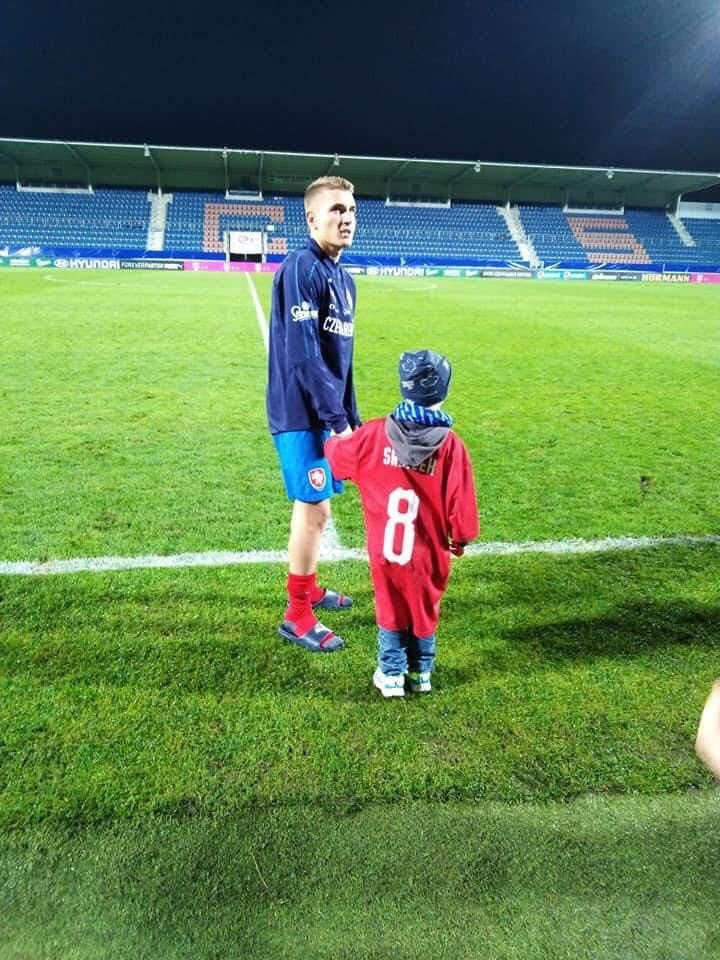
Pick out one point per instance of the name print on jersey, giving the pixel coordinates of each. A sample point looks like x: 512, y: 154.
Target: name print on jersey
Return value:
x: 390, y: 459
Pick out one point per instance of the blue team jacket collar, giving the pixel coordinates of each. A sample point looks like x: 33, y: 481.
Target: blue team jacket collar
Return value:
x: 313, y: 245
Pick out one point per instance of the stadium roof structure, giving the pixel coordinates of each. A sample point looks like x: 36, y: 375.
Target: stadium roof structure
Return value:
x: 46, y: 162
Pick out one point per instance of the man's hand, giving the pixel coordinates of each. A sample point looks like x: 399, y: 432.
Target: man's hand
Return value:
x: 707, y: 741
x: 457, y: 549
x: 347, y: 432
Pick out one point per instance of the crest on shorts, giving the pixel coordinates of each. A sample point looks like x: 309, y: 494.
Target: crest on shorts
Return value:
x: 316, y: 476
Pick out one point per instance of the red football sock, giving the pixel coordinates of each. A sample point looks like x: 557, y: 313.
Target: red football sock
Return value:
x: 300, y: 612
x: 316, y: 592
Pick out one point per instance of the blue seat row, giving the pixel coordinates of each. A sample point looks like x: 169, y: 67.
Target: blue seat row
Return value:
x: 106, y: 217
x: 196, y: 221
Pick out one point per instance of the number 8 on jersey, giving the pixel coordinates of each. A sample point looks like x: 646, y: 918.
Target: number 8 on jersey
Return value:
x: 400, y: 525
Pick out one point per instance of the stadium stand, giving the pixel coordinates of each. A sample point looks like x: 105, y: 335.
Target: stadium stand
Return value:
x: 549, y: 231
x: 634, y: 238
x: 706, y: 234
x: 463, y: 232
x: 104, y: 218
x: 196, y: 221
x: 659, y: 236
x: 606, y: 238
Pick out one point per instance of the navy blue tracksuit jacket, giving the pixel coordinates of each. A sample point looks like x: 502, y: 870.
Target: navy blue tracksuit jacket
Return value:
x: 310, y: 382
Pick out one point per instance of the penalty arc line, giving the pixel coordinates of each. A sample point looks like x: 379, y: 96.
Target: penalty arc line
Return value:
x: 571, y: 547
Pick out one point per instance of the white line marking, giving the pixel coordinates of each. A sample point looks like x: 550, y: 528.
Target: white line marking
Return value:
x: 262, y: 322
x: 113, y: 281
x: 331, y: 543
x: 228, y: 558
x: 604, y: 545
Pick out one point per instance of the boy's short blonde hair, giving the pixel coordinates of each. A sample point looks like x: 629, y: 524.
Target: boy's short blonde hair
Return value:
x: 327, y: 183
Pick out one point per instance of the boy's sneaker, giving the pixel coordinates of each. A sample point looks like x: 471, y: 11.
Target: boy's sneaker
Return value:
x: 420, y: 682
x: 389, y: 685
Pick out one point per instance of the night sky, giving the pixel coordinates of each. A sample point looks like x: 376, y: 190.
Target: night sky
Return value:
x: 632, y: 83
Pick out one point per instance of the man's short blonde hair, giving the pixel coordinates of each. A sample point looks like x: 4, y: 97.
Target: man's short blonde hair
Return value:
x: 327, y: 183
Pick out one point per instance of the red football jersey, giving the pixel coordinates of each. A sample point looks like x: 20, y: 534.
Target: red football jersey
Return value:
x: 409, y: 514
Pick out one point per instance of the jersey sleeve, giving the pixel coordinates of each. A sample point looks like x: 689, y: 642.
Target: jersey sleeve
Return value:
x: 342, y: 455
x: 461, y: 502
x: 302, y: 301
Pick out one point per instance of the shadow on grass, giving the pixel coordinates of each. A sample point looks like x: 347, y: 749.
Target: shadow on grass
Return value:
x: 630, y: 630
x: 527, y: 611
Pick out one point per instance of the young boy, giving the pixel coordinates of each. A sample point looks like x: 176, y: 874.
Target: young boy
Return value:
x: 418, y: 495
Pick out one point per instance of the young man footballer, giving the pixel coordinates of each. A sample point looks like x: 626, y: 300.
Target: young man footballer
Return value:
x: 310, y: 394
x: 418, y: 495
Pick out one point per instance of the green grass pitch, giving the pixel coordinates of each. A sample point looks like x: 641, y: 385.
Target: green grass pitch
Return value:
x: 175, y: 782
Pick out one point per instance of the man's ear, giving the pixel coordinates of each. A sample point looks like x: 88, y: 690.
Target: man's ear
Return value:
x: 310, y: 217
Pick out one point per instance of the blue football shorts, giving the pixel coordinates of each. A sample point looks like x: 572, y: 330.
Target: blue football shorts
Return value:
x: 305, y: 470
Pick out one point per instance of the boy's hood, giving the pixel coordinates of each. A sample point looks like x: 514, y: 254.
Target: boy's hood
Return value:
x: 413, y: 442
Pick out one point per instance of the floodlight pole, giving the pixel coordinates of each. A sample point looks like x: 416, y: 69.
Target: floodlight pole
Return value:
x: 148, y: 153
x: 518, y: 180
x: 335, y: 162
x: 392, y: 176
x: 476, y: 167
x: 76, y: 156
